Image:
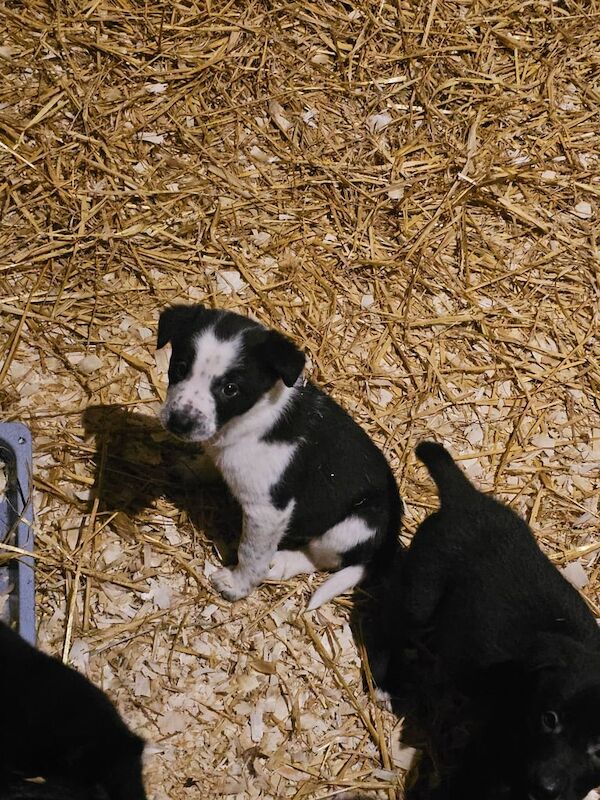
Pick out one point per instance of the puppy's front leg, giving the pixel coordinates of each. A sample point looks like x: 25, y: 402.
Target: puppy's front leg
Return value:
x: 262, y: 531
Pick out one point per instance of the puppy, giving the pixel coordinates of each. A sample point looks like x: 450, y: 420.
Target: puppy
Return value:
x: 57, y: 725
x: 495, y: 626
x: 316, y: 493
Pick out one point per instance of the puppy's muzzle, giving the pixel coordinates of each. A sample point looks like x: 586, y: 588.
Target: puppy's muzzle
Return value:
x: 548, y: 787
x: 185, y: 422
x: 179, y: 423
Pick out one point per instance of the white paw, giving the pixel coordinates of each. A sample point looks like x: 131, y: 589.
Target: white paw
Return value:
x: 279, y: 568
x: 276, y: 569
x: 383, y: 698
x: 287, y: 563
x: 228, y: 584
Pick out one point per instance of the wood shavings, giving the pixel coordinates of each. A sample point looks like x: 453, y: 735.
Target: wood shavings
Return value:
x: 395, y: 192
x: 151, y: 138
x: 278, y: 114
x: 583, y: 210
x: 576, y: 574
x: 377, y: 122
x: 159, y: 594
x: 367, y: 300
x: 258, y: 154
x: 89, y: 363
x: 309, y: 117
x: 230, y: 282
x: 155, y: 88
x: 543, y: 441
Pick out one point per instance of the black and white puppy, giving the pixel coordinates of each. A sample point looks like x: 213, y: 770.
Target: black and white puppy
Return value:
x: 496, y: 625
x: 315, y: 491
x: 59, y: 726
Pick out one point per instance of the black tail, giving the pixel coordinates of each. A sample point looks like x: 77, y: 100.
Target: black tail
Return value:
x: 453, y: 485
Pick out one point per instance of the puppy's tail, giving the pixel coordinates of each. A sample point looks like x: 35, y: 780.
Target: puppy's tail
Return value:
x: 340, y: 582
x: 453, y: 485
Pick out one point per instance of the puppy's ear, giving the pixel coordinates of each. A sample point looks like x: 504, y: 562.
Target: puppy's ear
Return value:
x: 282, y: 356
x: 173, y: 318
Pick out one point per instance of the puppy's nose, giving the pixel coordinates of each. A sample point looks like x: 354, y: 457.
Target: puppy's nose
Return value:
x: 179, y: 423
x: 549, y: 787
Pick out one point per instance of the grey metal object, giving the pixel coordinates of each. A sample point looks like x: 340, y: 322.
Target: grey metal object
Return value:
x: 17, y: 584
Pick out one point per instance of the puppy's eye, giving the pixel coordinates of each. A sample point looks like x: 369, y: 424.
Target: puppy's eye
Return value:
x: 594, y: 753
x: 230, y: 390
x: 550, y: 721
x: 179, y: 370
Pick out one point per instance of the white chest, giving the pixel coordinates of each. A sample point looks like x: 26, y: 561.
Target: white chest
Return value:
x: 252, y: 467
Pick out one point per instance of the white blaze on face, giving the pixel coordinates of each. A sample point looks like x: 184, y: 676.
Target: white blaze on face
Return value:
x: 192, y: 396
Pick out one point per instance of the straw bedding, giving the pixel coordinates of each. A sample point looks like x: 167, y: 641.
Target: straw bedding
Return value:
x: 408, y: 189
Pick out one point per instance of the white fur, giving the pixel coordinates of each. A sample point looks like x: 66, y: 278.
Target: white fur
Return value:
x: 251, y: 467
x: 288, y: 563
x: 383, y: 698
x: 339, y: 539
x: 340, y: 582
x: 326, y: 550
x: 257, y: 421
x: 213, y: 357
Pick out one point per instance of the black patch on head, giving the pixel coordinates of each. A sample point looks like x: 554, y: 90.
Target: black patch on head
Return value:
x: 180, y: 321
x: 254, y: 374
x: 282, y: 356
x: 230, y: 325
x: 251, y: 381
x: 179, y: 325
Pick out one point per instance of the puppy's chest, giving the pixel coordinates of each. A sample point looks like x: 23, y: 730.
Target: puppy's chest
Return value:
x: 252, y: 467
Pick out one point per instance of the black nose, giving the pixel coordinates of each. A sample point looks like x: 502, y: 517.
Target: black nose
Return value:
x: 548, y: 787
x: 179, y: 423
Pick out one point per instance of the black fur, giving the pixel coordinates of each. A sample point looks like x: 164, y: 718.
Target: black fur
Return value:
x: 57, y: 725
x: 337, y: 471
x: 499, y: 640
x: 282, y: 356
x: 177, y: 318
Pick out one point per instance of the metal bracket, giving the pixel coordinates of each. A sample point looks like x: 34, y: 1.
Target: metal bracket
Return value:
x: 16, y: 529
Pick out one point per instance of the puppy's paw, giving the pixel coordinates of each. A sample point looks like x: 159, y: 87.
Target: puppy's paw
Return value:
x: 383, y: 698
x: 227, y: 582
x: 287, y: 563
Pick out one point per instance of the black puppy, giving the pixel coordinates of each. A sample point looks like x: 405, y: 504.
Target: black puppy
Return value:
x: 495, y: 627
x: 57, y: 725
